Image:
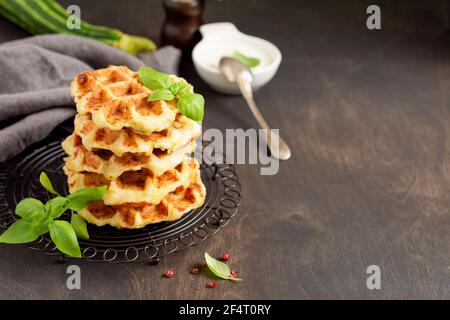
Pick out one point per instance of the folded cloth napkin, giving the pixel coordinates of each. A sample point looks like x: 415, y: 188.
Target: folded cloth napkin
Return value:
x: 35, y: 76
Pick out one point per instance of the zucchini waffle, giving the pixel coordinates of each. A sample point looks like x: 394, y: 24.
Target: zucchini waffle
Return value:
x: 139, y: 149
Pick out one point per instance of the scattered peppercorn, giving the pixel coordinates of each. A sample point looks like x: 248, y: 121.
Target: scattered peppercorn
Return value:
x: 226, y: 257
x: 234, y: 273
x: 194, y: 270
x: 212, y: 284
x: 169, y: 273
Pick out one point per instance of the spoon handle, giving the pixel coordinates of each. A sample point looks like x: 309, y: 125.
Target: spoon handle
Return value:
x: 283, y: 152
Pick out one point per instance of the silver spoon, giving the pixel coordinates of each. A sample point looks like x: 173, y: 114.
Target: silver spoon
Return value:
x: 235, y: 71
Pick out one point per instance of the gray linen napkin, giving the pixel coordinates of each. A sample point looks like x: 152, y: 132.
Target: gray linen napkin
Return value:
x: 35, y: 76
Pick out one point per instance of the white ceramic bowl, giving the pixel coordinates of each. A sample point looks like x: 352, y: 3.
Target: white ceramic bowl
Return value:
x: 222, y: 39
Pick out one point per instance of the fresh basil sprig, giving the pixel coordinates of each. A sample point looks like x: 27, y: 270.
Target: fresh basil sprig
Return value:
x: 250, y: 62
x: 38, y: 218
x: 219, y: 269
x: 189, y: 104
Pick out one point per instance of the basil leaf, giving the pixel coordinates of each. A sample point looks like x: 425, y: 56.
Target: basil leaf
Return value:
x: 192, y: 106
x: 219, y: 268
x: 179, y: 88
x: 39, y: 224
x: 46, y: 183
x: 65, y: 239
x: 56, y: 207
x: 29, y: 207
x: 39, y: 221
x: 20, y: 231
x: 80, y: 227
x: 80, y: 198
x: 153, y: 79
x: 250, y: 62
x: 161, y: 94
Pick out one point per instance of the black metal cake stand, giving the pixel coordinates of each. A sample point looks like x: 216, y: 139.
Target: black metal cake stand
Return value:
x: 19, y: 178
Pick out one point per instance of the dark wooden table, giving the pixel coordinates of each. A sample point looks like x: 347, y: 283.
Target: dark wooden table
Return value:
x: 367, y: 116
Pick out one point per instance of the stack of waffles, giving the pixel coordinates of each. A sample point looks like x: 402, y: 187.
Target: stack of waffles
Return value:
x: 139, y: 149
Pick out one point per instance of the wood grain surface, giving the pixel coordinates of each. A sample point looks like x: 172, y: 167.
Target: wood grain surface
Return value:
x: 367, y: 116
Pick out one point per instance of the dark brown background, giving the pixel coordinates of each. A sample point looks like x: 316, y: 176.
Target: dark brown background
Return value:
x: 367, y: 116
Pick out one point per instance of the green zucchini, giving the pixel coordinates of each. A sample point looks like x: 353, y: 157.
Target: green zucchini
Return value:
x: 47, y: 16
x: 10, y: 9
x: 4, y: 11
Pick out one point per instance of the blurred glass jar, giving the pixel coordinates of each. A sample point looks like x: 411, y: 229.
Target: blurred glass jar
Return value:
x: 183, y: 18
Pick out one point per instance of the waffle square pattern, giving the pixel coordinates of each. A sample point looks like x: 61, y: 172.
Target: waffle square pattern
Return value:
x: 139, y: 149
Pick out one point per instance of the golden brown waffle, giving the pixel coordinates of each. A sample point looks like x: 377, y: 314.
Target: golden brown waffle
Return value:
x: 136, y: 186
x: 123, y: 141
x: 135, y: 147
x: 115, y: 99
x: 109, y: 165
x: 138, y: 215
